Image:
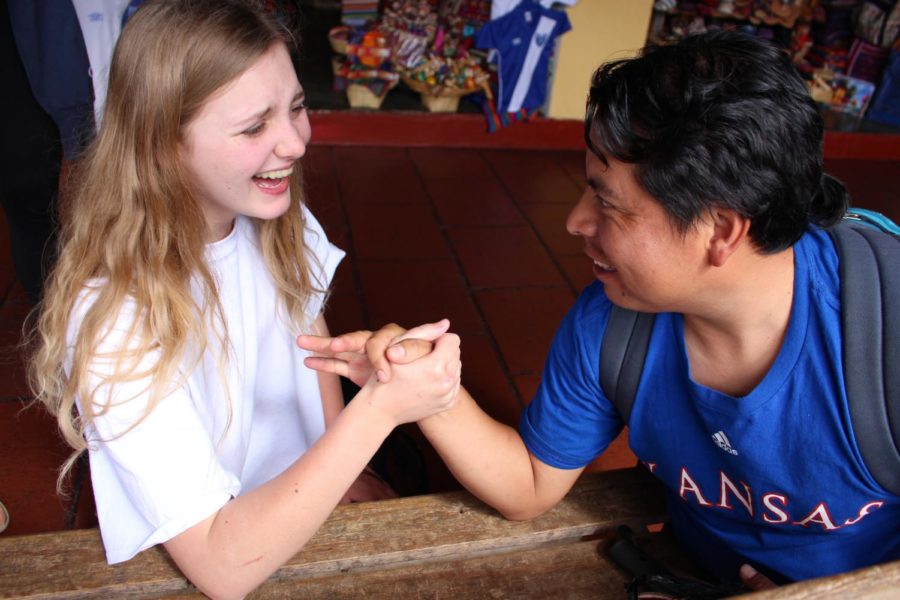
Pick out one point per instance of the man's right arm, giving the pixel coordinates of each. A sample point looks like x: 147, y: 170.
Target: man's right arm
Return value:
x: 488, y: 458
x: 492, y: 462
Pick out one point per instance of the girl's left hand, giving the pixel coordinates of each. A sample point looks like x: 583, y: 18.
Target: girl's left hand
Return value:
x: 343, y: 355
x: 368, y: 486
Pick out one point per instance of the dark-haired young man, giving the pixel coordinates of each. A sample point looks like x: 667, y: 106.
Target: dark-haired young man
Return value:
x: 706, y: 204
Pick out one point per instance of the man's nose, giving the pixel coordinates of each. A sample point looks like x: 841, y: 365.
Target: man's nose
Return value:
x: 581, y: 219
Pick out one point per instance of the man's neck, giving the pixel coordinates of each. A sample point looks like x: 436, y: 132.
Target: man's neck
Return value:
x: 736, y: 331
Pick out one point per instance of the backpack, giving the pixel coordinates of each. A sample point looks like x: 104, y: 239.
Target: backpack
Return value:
x: 868, y: 247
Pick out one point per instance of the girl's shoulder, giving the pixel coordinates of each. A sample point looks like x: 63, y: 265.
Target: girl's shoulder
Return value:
x: 119, y: 318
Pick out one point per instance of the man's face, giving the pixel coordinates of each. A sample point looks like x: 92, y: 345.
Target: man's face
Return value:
x: 643, y: 261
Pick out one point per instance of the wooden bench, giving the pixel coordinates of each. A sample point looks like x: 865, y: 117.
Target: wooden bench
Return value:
x: 437, y: 546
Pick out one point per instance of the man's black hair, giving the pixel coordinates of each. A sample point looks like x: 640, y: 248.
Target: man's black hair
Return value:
x: 718, y: 119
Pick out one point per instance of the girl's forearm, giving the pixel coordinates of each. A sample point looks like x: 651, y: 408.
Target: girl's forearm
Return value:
x: 234, y: 551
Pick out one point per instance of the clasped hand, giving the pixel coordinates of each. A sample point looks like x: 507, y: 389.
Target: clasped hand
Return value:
x: 419, y: 369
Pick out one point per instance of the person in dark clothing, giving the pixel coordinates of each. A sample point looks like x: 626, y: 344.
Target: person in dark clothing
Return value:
x: 30, y: 155
x: 48, y: 93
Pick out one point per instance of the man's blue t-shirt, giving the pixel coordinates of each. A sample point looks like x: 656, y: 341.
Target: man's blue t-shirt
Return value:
x: 774, y: 478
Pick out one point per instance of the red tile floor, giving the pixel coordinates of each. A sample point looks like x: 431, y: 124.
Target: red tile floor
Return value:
x: 475, y: 234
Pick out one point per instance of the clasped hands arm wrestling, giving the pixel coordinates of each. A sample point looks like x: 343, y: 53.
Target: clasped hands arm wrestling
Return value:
x: 516, y: 483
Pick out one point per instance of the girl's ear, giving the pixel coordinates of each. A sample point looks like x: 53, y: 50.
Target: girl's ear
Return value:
x: 729, y: 231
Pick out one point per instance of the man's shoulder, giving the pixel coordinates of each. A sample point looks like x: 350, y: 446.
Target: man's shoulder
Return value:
x: 823, y: 260
x: 817, y: 257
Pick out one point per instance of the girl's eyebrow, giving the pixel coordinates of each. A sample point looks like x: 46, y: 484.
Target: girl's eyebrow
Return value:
x: 299, y: 96
x: 257, y: 116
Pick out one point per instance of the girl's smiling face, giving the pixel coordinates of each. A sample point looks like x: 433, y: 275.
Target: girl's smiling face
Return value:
x: 244, y: 142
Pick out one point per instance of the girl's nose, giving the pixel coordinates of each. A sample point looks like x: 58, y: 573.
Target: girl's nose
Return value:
x: 293, y: 139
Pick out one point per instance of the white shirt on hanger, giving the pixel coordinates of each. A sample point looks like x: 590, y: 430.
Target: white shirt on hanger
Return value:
x: 101, y: 24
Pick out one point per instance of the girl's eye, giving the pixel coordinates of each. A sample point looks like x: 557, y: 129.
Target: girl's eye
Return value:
x: 255, y: 130
x: 298, y: 108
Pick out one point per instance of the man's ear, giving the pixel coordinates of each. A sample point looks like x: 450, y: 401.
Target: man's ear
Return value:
x: 729, y: 231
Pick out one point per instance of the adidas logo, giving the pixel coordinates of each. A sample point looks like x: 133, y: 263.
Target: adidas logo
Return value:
x: 722, y: 442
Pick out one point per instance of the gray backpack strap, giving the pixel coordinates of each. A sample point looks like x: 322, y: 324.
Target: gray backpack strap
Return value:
x: 622, y: 354
x: 870, y: 307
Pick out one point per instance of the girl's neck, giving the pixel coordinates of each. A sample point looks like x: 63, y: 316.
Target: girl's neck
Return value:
x: 217, y: 232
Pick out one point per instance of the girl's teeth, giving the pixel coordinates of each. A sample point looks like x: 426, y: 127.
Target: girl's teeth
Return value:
x: 275, y: 174
x: 604, y: 267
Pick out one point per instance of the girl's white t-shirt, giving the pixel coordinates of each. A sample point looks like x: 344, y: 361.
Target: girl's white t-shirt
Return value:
x: 190, y: 455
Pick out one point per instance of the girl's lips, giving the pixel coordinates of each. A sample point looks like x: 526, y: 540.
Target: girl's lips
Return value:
x: 272, y: 186
x: 275, y: 181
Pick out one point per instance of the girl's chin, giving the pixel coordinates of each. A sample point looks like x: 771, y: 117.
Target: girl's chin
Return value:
x: 273, y: 209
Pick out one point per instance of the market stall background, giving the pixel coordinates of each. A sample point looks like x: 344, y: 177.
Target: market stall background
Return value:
x: 846, y: 49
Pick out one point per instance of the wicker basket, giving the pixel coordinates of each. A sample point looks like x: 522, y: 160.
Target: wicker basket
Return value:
x: 337, y: 37
x: 438, y: 99
x: 445, y: 103
x: 359, y: 96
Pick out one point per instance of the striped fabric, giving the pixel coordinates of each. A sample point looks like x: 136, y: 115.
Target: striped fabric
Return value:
x: 358, y: 12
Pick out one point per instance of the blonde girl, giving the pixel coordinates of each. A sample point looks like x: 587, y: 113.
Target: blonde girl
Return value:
x: 187, y: 266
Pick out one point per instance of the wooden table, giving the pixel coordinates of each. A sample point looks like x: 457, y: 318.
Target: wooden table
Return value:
x: 436, y: 546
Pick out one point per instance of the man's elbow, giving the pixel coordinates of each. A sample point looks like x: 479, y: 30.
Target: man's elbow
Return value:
x: 524, y: 513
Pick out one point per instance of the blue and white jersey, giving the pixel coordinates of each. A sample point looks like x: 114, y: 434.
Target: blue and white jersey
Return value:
x: 522, y: 42
x: 774, y: 478
x: 501, y: 7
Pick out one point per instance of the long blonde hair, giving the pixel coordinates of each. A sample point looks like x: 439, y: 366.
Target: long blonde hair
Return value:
x: 133, y: 231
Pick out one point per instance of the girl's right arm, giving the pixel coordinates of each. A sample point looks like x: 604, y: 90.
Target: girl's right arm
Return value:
x: 235, y: 550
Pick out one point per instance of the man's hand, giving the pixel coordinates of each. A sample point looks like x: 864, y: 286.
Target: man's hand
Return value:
x: 358, y: 354
x: 394, y: 344
x: 422, y: 388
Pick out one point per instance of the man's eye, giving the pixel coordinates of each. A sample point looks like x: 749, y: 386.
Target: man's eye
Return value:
x: 603, y: 203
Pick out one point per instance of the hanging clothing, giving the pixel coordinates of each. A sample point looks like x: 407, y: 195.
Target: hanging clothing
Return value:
x: 101, y: 24
x: 501, y: 7
x: 521, y: 43
x: 52, y: 50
